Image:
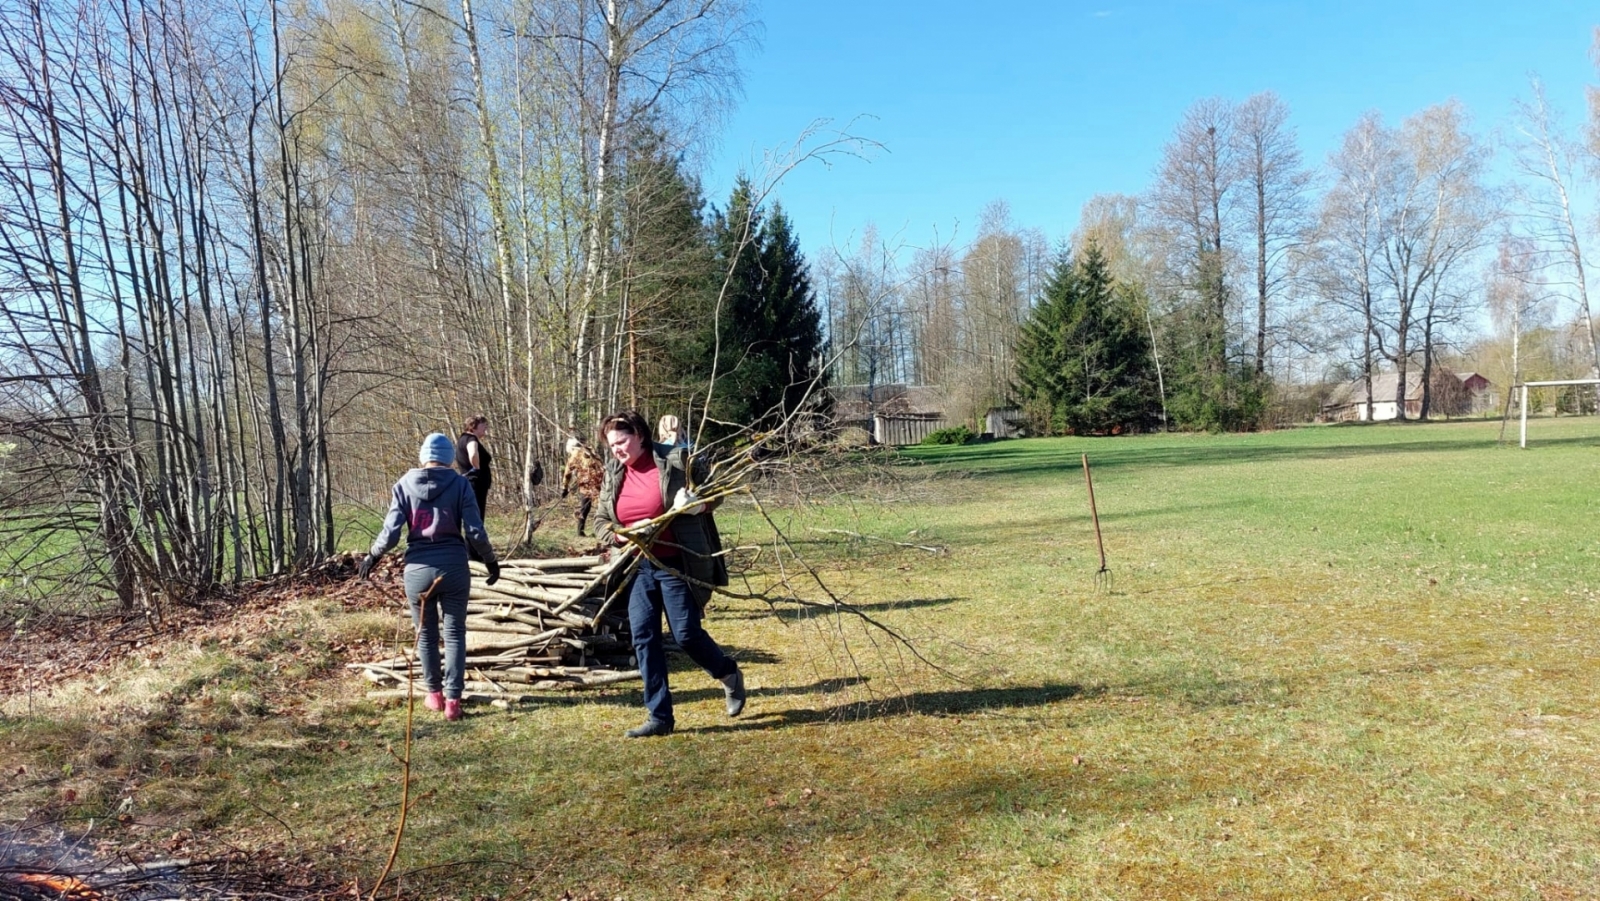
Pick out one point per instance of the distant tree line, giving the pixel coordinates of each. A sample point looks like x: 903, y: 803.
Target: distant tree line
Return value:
x: 1259, y: 283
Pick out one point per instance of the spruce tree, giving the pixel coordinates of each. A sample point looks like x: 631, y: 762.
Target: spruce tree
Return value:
x: 665, y: 262
x: 1084, y: 363
x: 765, y: 341
x: 794, y: 339
x: 1043, y: 370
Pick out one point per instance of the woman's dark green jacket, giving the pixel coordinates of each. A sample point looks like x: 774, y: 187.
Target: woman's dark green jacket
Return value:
x: 696, y: 536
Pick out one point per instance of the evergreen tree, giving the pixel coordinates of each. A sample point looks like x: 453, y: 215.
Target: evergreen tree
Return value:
x: 666, y: 269
x: 1201, y: 397
x: 765, y: 340
x: 1083, y: 361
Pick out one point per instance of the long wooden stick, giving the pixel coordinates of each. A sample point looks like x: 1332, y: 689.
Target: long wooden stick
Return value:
x: 1095, y: 516
x: 405, y: 762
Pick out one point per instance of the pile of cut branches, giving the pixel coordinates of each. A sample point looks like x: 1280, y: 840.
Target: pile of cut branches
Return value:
x: 546, y: 624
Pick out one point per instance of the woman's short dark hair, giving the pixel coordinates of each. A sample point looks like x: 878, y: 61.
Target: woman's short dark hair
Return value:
x: 473, y: 422
x: 629, y: 421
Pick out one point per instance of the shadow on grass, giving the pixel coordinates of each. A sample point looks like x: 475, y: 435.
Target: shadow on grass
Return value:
x: 954, y: 702
x: 1203, y: 690
x: 677, y: 660
x: 821, y: 686
x: 794, y: 612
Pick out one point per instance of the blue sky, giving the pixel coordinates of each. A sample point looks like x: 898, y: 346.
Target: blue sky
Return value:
x: 1043, y: 105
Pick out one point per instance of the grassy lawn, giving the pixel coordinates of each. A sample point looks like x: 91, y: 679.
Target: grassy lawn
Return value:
x: 1331, y: 662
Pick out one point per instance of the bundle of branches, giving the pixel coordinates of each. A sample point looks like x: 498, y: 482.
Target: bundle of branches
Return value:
x: 546, y: 624
x: 735, y: 473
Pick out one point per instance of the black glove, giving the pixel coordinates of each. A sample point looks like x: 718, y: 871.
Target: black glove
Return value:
x: 494, y: 572
x: 364, y: 569
x: 563, y: 492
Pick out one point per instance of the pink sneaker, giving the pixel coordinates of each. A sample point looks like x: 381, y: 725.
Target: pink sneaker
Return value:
x: 434, y: 700
x: 452, y: 709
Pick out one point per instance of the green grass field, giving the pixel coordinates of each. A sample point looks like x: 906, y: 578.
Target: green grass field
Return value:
x: 1335, y: 662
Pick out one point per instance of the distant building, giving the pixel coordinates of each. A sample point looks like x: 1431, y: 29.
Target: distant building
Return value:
x: 1454, y: 394
x: 895, y: 414
x: 1005, y: 422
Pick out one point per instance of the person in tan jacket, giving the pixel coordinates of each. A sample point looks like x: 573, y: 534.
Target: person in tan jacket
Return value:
x: 583, y: 473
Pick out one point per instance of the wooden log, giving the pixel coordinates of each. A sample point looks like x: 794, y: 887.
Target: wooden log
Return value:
x: 533, y: 620
x: 597, y: 584
x: 483, y: 689
x: 549, y: 670
x: 489, y: 602
x: 486, y: 678
x: 583, y: 594
x: 554, y: 580
x: 609, y: 678
x: 525, y: 593
x: 467, y: 697
x: 391, y: 663
x: 565, y: 578
x: 514, y: 678
x: 538, y: 626
x: 500, y: 628
x: 570, y: 618
x: 486, y: 641
x: 550, y: 565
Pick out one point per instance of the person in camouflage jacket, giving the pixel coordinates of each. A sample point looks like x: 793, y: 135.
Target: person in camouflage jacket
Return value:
x: 584, y: 474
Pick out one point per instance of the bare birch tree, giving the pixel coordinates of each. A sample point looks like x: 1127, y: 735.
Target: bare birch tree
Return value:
x: 1275, y: 184
x: 1193, y: 198
x: 1436, y: 219
x: 1350, y: 232
x: 1545, y: 160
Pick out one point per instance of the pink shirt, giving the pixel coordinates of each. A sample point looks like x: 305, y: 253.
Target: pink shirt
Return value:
x: 640, y: 498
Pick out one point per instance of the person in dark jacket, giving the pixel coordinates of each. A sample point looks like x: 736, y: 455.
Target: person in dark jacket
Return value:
x: 474, y: 461
x: 436, y: 508
x: 643, y: 481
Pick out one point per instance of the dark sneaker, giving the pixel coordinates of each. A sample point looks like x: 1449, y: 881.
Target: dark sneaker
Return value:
x: 649, y: 729
x: 733, y: 687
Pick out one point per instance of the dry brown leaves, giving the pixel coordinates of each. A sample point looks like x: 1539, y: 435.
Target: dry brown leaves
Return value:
x: 46, y: 651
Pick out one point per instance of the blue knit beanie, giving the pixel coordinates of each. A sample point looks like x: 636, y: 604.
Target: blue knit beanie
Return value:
x: 437, y: 448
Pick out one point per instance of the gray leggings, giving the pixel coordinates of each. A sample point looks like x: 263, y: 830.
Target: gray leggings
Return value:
x: 445, y: 611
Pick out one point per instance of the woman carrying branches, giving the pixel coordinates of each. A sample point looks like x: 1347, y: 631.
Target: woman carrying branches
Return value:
x: 436, y: 507
x: 644, y: 482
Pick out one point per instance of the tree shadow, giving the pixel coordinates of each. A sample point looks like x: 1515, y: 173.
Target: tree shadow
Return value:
x: 796, y: 611
x: 953, y: 702
x: 821, y: 686
x: 678, y: 660
x: 907, y: 604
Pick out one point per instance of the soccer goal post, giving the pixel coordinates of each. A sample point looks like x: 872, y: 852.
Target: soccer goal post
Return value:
x: 1522, y: 398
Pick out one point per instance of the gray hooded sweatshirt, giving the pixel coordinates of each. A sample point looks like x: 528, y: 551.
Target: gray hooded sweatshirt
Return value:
x: 440, y: 514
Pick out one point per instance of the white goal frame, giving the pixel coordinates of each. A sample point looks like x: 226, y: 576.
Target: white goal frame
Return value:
x: 1522, y: 399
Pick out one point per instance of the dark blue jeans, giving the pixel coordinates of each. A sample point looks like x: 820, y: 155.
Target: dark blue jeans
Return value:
x: 657, y: 591
x: 446, y: 607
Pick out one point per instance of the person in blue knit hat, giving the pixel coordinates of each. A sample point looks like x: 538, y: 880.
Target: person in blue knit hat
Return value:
x: 436, y: 507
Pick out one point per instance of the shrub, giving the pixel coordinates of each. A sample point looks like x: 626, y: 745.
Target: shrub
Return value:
x: 957, y: 435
